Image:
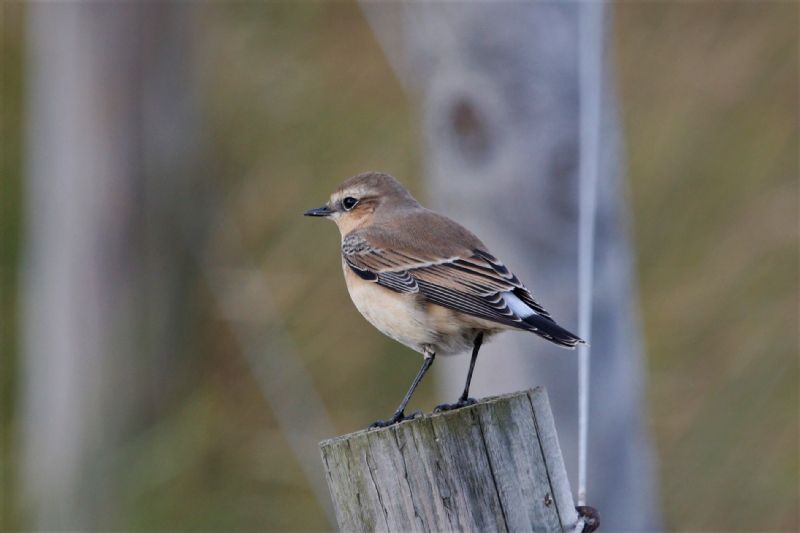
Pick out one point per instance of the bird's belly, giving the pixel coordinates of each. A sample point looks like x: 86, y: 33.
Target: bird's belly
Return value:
x: 396, y: 315
x: 415, y: 324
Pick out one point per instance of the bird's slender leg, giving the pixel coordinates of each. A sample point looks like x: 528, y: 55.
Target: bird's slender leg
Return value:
x: 465, y: 399
x: 399, y: 415
x: 475, y: 348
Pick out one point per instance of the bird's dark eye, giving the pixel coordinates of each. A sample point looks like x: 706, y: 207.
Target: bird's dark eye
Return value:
x: 349, y: 203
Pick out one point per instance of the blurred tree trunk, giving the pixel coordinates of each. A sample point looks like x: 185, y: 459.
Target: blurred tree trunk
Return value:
x: 109, y: 133
x: 499, y: 90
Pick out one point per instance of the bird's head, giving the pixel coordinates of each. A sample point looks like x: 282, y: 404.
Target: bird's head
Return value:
x: 361, y: 199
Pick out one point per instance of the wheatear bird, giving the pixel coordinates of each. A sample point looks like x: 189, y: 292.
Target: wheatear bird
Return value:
x: 426, y: 281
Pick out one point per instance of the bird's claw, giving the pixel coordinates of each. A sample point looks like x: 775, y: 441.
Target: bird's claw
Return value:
x: 396, y: 418
x: 462, y: 402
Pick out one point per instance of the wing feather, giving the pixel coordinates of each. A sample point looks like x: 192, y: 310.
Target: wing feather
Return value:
x: 473, y: 283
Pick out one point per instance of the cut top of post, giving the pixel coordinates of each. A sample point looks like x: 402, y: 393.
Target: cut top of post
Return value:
x: 492, y: 466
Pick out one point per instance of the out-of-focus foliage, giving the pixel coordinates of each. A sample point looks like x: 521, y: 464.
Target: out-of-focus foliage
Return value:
x: 298, y: 96
x: 10, y: 216
x: 709, y: 95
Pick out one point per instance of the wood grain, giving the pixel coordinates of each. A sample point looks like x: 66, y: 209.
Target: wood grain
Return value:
x: 493, y: 466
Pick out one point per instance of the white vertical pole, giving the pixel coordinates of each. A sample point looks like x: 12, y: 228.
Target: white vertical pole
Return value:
x: 590, y: 80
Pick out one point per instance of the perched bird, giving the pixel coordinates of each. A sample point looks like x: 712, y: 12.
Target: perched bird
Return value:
x: 426, y: 281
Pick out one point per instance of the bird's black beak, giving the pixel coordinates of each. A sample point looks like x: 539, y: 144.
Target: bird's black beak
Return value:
x: 322, y: 211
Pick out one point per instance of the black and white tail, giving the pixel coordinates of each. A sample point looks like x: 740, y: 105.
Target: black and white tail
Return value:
x: 536, y: 319
x: 546, y: 328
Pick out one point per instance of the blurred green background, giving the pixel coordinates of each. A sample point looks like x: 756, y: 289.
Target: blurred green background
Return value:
x: 298, y: 95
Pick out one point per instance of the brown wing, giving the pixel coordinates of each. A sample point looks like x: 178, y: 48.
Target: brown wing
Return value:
x: 471, y: 281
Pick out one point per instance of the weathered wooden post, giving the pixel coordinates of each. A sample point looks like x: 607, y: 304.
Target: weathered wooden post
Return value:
x: 493, y: 466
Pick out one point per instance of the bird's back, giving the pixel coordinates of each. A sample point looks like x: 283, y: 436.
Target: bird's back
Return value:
x: 425, y: 232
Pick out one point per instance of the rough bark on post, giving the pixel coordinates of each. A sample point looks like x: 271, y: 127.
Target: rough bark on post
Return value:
x: 493, y: 466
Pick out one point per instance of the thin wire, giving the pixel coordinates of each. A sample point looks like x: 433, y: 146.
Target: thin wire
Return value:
x: 590, y: 79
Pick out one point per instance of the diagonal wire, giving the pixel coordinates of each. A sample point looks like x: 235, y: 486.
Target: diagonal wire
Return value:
x: 245, y: 301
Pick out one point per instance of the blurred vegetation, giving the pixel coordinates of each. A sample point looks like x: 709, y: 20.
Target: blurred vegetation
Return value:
x: 709, y: 96
x: 10, y: 222
x: 298, y: 96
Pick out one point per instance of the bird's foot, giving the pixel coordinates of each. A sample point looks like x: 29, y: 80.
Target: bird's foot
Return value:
x: 591, y: 518
x: 399, y: 416
x: 462, y: 402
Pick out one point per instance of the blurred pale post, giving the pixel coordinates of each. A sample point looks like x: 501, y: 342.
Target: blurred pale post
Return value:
x: 108, y: 139
x: 498, y: 86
